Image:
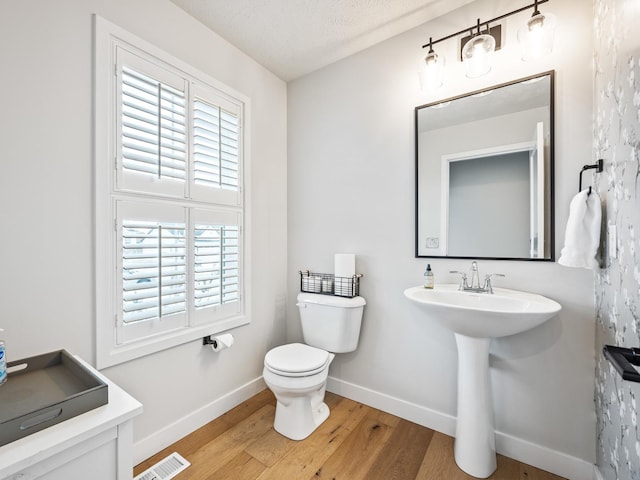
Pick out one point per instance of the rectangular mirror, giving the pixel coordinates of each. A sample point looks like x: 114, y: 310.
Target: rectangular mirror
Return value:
x: 484, y: 173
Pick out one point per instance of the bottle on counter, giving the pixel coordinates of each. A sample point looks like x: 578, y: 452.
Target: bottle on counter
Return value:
x: 428, y: 277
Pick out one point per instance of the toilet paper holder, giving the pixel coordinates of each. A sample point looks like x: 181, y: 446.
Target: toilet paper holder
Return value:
x: 218, y: 342
x: 210, y: 340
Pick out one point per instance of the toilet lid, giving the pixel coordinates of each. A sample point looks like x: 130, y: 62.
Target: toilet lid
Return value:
x: 296, y: 359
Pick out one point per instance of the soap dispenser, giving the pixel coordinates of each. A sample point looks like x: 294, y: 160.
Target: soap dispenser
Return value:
x: 428, y: 277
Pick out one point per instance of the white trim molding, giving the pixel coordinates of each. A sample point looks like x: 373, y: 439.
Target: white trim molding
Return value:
x: 121, y: 198
x: 539, y: 456
x: 148, y: 446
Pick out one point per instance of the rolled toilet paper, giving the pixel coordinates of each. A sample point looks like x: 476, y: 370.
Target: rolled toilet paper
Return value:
x: 344, y: 265
x: 221, y: 342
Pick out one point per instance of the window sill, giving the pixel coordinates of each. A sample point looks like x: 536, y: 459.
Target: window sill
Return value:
x: 108, y: 357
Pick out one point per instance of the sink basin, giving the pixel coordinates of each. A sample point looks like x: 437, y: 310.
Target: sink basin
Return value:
x: 505, y: 312
x: 476, y: 319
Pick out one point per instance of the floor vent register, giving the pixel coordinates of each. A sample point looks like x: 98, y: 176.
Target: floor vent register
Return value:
x: 165, y: 469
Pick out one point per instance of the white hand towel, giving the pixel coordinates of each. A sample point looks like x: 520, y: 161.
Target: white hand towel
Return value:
x: 582, y: 236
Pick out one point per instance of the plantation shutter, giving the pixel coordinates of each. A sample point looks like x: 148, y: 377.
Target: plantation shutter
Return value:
x: 169, y: 177
x: 217, y: 263
x: 154, y: 270
x: 153, y: 127
x: 153, y: 141
x: 217, y: 148
x: 153, y: 252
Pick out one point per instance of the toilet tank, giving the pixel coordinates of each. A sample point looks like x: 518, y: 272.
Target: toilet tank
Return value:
x: 329, y: 322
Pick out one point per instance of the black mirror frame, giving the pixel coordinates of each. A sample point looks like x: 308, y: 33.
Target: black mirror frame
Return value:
x: 551, y: 74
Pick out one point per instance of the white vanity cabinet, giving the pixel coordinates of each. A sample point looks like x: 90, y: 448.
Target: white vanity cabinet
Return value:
x: 95, y: 445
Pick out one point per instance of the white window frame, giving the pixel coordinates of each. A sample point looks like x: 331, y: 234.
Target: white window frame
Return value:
x: 115, y: 342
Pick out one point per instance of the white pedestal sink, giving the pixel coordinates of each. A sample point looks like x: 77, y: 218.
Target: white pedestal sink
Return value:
x: 475, y: 319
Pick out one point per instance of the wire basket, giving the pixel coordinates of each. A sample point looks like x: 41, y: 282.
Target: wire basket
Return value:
x: 329, y: 284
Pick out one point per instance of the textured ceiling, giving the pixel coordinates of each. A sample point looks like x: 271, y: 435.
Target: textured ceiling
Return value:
x: 295, y: 37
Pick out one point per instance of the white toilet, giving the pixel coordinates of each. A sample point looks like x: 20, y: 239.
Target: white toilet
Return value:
x: 297, y: 373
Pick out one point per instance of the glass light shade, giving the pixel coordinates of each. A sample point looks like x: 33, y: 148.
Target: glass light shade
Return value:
x: 431, y: 71
x: 476, y: 55
x: 536, y: 36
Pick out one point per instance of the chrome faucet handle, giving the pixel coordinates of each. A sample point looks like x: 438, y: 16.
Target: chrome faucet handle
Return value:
x: 489, y: 275
x: 487, y: 281
x: 463, y: 279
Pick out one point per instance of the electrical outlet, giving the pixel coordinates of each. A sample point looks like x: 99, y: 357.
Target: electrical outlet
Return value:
x: 433, y: 242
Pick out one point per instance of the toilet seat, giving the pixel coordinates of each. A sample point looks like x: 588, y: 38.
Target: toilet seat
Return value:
x: 296, y: 360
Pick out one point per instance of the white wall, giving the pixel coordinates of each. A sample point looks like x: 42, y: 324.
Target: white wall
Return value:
x: 351, y: 189
x: 46, y: 201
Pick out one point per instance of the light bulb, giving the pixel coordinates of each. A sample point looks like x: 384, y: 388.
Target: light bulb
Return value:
x: 432, y: 71
x: 476, y: 55
x: 536, y: 22
x: 536, y: 36
x: 431, y: 59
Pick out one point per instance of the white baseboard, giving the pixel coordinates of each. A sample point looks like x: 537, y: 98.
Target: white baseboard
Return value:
x: 148, y: 446
x: 539, y: 456
x: 441, y: 422
x: 542, y: 457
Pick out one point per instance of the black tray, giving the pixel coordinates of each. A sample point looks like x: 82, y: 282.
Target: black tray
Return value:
x: 44, y: 390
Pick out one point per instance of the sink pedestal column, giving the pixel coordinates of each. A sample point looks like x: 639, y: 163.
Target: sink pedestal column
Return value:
x: 475, y: 445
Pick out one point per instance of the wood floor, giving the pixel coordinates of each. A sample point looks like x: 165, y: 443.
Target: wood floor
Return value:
x: 356, y: 442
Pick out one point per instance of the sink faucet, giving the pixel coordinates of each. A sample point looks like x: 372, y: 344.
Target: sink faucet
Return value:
x: 474, y: 286
x: 475, y: 280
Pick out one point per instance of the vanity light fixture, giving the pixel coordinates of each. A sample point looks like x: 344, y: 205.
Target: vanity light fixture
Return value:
x: 432, y: 72
x: 476, y: 53
x: 535, y: 38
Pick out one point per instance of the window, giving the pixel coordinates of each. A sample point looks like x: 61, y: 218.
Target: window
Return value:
x: 169, y: 175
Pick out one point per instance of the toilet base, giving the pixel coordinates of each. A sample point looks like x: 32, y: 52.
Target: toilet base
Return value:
x: 300, y: 407
x: 298, y: 420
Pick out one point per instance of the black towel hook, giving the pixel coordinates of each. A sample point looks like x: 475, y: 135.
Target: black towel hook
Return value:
x: 599, y: 166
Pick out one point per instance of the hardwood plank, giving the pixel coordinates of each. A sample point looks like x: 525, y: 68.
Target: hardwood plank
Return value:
x: 438, y: 461
x: 187, y: 445
x: 214, y: 455
x: 192, y: 442
x: 249, y: 407
x: 507, y: 468
x: 307, y: 456
x: 387, y: 418
x: 356, y: 442
x: 242, y: 466
x: 527, y: 472
x: 402, y: 455
x: 357, y: 453
x: 270, y: 447
x: 331, y: 399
